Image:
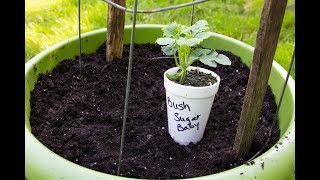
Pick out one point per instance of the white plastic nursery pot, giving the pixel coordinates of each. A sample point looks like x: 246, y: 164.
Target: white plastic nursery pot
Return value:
x: 43, y: 164
x: 188, y: 107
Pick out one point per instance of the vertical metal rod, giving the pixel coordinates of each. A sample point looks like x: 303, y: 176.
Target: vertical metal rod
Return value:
x: 79, y: 32
x: 192, y: 14
x: 128, y: 85
x: 279, y: 105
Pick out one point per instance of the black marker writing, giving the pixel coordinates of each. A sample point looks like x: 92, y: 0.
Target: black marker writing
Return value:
x: 188, y: 127
x: 178, y: 106
x: 188, y: 119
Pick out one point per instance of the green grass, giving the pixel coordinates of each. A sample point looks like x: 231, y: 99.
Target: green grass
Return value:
x: 48, y: 22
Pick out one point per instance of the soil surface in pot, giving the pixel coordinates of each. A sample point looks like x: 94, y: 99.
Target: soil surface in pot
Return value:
x: 79, y: 117
x: 198, y: 79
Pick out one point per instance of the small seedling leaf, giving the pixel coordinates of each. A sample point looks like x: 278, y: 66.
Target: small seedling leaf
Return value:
x: 165, y: 41
x: 172, y: 30
x: 203, y: 35
x: 200, y: 51
x: 190, y: 42
x: 199, y: 26
x: 170, y: 49
x: 222, y: 59
x: 208, y: 60
x: 173, y: 77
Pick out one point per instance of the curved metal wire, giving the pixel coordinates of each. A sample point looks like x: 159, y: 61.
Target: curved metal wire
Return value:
x: 155, y: 10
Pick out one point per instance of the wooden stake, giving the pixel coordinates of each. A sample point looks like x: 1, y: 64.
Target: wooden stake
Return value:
x: 115, y: 31
x: 266, y: 43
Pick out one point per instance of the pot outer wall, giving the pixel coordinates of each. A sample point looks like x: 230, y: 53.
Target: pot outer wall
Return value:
x: 188, y: 107
x: 41, y: 163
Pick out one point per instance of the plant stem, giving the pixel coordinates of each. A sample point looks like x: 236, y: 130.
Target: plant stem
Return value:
x: 190, y: 63
x: 184, y: 52
x: 183, y: 76
x: 176, y: 60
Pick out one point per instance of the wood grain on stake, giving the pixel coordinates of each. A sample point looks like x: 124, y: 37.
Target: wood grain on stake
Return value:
x: 266, y: 43
x: 116, y: 20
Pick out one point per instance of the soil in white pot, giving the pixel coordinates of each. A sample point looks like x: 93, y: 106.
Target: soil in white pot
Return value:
x: 198, y: 79
x: 79, y: 117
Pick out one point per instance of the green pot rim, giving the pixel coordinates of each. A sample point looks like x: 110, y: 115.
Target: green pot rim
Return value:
x: 273, y: 156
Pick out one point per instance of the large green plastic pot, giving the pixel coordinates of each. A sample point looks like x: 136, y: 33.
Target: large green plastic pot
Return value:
x: 41, y: 163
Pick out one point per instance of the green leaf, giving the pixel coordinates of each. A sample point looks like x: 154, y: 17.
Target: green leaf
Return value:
x: 188, y: 42
x: 213, y: 52
x: 173, y: 77
x: 208, y: 57
x: 203, y: 35
x: 199, y: 26
x: 192, y: 57
x: 170, y: 49
x: 200, y: 51
x: 185, y: 30
x: 172, y: 30
x: 208, y: 61
x: 197, y: 53
x: 165, y: 41
x: 222, y: 59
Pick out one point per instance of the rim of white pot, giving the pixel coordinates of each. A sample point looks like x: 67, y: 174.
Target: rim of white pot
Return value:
x: 191, y: 91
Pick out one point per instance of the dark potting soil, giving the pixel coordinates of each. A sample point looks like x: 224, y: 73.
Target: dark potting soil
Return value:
x: 79, y: 117
x: 198, y: 79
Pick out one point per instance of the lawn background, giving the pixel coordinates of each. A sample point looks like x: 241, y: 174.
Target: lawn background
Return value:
x: 50, y: 21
